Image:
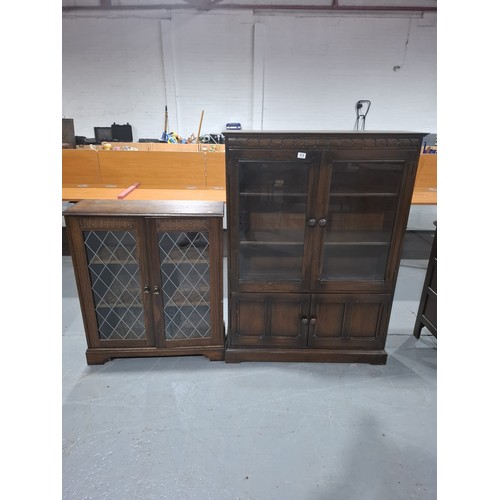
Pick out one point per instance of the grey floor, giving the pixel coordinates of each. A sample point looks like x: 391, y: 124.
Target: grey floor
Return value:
x: 186, y: 428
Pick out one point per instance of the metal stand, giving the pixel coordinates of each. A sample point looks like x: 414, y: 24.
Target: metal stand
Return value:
x: 361, y: 114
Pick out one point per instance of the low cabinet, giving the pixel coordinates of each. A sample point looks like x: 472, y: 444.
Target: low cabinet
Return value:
x: 149, y: 277
x: 427, y: 310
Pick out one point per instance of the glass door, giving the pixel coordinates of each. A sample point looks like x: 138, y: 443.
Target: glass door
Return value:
x: 358, y: 222
x: 116, y: 284
x: 183, y: 294
x: 272, y: 202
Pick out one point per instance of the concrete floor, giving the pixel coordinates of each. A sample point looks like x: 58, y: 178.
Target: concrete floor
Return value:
x: 186, y: 428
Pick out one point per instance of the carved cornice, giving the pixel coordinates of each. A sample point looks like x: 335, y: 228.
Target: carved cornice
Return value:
x: 389, y: 142
x: 183, y: 225
x: 106, y: 223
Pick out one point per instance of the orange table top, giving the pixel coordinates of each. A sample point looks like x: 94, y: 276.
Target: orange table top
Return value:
x: 73, y: 193
x: 177, y: 194
x: 90, y: 192
x: 424, y: 197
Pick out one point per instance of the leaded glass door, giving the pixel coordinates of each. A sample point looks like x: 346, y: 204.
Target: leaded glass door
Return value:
x: 273, y: 197
x: 117, y: 275
x: 183, y: 312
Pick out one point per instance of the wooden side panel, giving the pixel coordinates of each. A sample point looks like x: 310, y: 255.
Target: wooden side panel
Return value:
x: 153, y: 169
x: 425, y: 190
x: 427, y: 310
x: 80, y: 166
x: 216, y: 170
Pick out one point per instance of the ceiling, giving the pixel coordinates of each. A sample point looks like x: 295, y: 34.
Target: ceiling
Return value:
x: 320, y: 6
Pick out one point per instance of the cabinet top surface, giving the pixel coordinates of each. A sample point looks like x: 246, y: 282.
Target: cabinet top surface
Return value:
x: 157, y: 208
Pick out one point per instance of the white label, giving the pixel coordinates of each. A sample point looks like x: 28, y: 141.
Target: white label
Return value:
x: 301, y: 155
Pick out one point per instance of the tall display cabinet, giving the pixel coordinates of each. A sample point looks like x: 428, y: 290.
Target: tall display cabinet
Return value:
x: 316, y: 222
x: 149, y: 277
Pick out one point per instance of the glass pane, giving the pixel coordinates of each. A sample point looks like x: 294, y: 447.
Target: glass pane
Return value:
x: 366, y: 177
x: 185, y: 271
x: 361, y: 213
x: 273, y: 203
x: 360, y: 219
x: 116, y: 284
x: 355, y: 262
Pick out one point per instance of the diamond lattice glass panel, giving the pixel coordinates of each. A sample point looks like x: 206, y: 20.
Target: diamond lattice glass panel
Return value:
x: 185, y: 284
x: 116, y: 284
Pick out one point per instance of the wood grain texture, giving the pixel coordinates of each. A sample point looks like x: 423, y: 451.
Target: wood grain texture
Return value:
x: 153, y: 169
x: 90, y: 193
x: 161, y: 208
x: 80, y: 166
x: 178, y: 194
x: 425, y: 190
x: 215, y: 165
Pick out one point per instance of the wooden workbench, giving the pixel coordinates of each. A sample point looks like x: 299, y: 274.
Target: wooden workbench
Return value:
x: 178, y: 194
x: 111, y: 193
x: 176, y: 175
x: 425, y: 190
x: 75, y: 193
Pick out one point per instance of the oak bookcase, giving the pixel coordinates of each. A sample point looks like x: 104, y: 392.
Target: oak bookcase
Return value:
x: 316, y: 222
x: 149, y: 277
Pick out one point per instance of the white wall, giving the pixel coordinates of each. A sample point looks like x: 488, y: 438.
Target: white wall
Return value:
x: 112, y: 71
x: 270, y: 72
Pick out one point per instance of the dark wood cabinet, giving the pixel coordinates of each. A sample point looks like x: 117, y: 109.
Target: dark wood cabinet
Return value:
x: 315, y: 229
x: 149, y: 277
x: 427, y: 310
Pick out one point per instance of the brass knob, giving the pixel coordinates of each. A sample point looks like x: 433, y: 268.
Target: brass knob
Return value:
x: 304, y: 321
x: 146, y: 289
x: 311, y: 222
x: 313, y: 321
x: 156, y: 290
x: 322, y: 222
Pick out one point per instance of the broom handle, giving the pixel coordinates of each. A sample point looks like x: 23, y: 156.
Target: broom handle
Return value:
x: 199, y: 128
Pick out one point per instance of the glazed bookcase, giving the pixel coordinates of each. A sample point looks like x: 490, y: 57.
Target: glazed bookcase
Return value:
x: 316, y: 222
x: 149, y: 277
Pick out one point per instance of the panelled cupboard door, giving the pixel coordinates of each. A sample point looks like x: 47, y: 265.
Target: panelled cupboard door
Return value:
x: 278, y: 320
x: 269, y: 320
x: 184, y: 265
x: 363, y: 208
x: 111, y: 263
x: 272, y: 194
x: 348, y: 320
